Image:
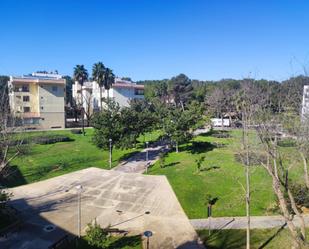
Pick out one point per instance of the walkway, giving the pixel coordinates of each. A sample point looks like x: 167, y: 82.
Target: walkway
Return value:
x: 138, y: 162
x: 241, y: 222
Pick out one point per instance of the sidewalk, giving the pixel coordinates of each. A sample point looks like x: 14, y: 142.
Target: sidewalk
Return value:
x: 138, y: 163
x: 241, y: 222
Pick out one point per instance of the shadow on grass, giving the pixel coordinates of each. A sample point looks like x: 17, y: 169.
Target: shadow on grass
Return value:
x: 272, y: 237
x: 198, y: 147
x: 125, y: 241
x: 171, y: 164
x: 13, y: 178
x: 235, y: 238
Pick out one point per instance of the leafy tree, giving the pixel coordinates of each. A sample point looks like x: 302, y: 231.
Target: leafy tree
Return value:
x: 181, y: 89
x: 179, y: 124
x: 97, y: 236
x: 108, y: 125
x: 98, y: 75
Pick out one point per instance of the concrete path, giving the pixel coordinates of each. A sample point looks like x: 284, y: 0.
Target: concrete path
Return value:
x: 138, y: 162
x: 241, y: 222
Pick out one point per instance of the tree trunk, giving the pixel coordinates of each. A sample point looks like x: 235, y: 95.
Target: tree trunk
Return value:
x: 246, y: 146
x: 299, y: 215
x: 176, y: 147
x: 100, y: 98
x: 305, y: 169
x: 284, y: 208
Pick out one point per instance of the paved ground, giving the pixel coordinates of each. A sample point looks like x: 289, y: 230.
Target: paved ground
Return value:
x: 138, y: 163
x: 113, y: 198
x: 241, y: 222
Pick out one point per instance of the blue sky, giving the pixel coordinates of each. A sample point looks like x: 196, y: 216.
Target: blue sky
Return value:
x: 207, y: 39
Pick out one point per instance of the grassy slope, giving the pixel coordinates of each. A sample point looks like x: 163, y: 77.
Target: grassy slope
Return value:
x: 192, y: 187
x: 45, y: 161
x: 236, y: 239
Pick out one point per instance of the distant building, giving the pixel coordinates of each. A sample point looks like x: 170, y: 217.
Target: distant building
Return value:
x: 217, y: 122
x: 38, y: 100
x: 122, y: 91
x: 305, y: 103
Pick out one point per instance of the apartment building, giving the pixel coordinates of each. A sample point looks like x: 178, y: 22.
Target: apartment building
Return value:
x: 38, y: 100
x: 122, y: 92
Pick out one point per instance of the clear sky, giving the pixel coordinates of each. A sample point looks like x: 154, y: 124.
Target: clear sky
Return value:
x: 207, y: 39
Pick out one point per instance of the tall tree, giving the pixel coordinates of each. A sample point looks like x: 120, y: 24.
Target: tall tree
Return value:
x: 109, y: 79
x: 98, y: 74
x: 80, y: 75
x: 181, y: 89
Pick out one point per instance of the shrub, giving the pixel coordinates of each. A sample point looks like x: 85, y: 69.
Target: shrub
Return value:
x: 76, y: 131
x: 43, y: 139
x: 97, y: 236
x: 301, y: 195
x: 287, y: 143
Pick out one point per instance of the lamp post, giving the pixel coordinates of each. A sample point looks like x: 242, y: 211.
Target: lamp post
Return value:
x: 110, y: 153
x: 79, y: 189
x: 147, y: 151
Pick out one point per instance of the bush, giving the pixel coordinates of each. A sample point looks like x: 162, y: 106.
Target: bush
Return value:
x: 43, y: 139
x: 301, y: 195
x: 76, y: 131
x: 287, y: 143
x: 97, y: 236
x: 51, y: 139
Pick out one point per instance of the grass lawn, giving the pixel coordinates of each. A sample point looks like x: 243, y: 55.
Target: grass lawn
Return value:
x: 236, y: 239
x: 222, y: 178
x: 45, y: 161
x: 129, y: 242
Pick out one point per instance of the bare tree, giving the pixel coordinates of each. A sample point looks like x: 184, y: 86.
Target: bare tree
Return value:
x: 217, y: 103
x: 268, y: 129
x: 88, y: 105
x: 247, y: 102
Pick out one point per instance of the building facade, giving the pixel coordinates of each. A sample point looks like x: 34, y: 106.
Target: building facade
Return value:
x: 122, y: 92
x: 37, y: 100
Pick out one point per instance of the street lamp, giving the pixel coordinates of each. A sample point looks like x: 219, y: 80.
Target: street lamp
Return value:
x: 110, y: 153
x: 79, y: 189
x: 147, y: 151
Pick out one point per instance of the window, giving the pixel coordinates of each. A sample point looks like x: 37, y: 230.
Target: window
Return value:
x: 26, y: 109
x: 18, y: 97
x: 139, y: 92
x: 25, y: 88
x: 26, y: 98
x: 54, y: 89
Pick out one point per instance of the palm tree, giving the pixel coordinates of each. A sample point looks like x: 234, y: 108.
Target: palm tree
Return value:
x: 80, y: 75
x: 109, y: 79
x: 98, y: 74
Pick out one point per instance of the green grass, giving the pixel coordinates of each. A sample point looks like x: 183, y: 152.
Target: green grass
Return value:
x: 129, y: 242
x: 46, y: 161
x: 225, y: 182
x: 236, y: 239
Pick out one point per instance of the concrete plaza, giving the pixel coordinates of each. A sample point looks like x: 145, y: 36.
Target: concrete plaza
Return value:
x: 127, y: 201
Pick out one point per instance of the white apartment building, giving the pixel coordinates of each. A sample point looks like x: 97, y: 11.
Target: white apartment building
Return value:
x: 38, y: 100
x: 122, y: 92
